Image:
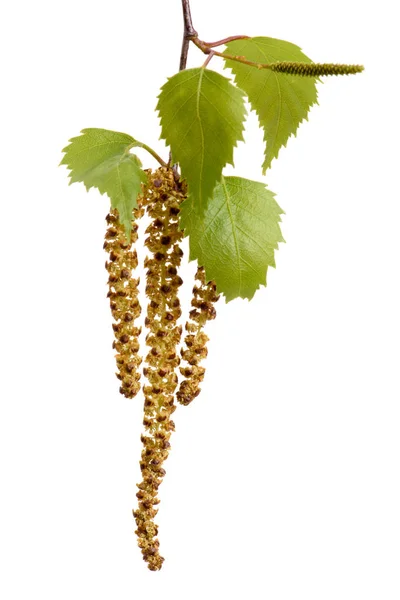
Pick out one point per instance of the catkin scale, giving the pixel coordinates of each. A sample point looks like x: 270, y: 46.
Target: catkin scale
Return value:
x: 161, y: 197
x: 124, y: 302
x: 194, y: 350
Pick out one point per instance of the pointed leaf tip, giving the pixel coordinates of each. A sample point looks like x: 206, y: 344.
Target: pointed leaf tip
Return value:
x: 202, y: 119
x: 100, y: 158
x: 281, y: 102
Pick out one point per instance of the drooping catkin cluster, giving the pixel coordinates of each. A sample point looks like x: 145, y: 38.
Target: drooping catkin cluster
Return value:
x: 314, y: 69
x: 161, y: 197
x: 204, y: 297
x: 124, y: 301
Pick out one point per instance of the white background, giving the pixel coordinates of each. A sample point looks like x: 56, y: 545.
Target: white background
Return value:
x: 283, y: 479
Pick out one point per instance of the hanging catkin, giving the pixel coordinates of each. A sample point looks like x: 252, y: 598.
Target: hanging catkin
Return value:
x: 204, y: 297
x: 124, y: 301
x: 161, y: 197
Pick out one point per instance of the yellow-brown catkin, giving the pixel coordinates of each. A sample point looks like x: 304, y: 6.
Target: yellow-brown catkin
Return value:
x: 204, y: 297
x: 162, y: 198
x: 124, y: 301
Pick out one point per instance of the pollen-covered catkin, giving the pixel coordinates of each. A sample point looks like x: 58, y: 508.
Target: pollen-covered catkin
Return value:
x: 124, y: 301
x: 204, y: 297
x: 162, y: 197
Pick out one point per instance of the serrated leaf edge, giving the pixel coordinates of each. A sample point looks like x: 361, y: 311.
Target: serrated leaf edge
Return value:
x: 210, y: 274
x: 235, y: 143
x: 267, y: 165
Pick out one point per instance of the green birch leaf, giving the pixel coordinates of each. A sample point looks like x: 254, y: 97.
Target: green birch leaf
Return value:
x: 281, y: 101
x: 236, y: 238
x: 202, y: 119
x: 100, y: 158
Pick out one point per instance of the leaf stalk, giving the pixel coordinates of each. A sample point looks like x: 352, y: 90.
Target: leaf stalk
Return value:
x: 232, y: 38
x: 153, y: 153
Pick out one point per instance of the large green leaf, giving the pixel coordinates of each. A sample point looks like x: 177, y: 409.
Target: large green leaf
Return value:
x: 202, y: 119
x: 236, y: 238
x: 281, y: 101
x: 100, y: 158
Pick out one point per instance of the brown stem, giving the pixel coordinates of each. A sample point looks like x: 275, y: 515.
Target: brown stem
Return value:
x: 188, y: 33
x: 187, y: 19
x: 184, y: 54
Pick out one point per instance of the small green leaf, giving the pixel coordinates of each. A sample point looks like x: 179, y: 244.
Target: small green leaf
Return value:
x: 236, y: 238
x: 202, y: 119
x: 100, y: 158
x: 281, y: 101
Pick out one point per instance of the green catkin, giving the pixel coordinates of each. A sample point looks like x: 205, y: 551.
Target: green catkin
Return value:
x: 204, y: 297
x: 314, y: 69
x: 124, y: 301
x: 162, y: 197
